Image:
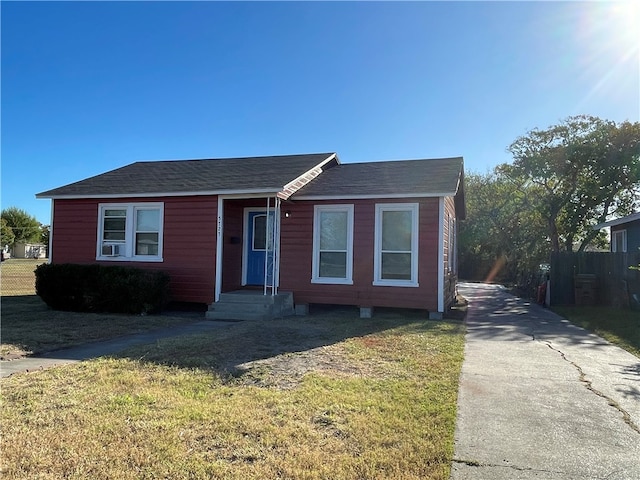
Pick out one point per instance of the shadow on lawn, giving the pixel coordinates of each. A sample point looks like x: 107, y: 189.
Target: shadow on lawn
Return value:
x: 19, y: 312
x: 20, y: 304
x: 229, y: 351
x: 29, y: 327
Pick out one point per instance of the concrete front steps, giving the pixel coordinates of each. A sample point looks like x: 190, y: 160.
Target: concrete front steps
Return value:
x: 251, y: 305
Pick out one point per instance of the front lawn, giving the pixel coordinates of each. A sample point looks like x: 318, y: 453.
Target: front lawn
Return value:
x: 30, y: 327
x: 328, y: 396
x: 620, y: 327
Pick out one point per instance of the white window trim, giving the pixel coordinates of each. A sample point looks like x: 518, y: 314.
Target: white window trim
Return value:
x: 315, y: 270
x: 377, y: 260
x: 614, y: 243
x: 130, y: 231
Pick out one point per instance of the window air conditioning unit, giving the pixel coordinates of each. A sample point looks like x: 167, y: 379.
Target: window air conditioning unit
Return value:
x: 110, y: 250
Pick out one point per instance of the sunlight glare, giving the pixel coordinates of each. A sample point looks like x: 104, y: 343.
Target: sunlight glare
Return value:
x: 613, y: 27
x: 609, y: 34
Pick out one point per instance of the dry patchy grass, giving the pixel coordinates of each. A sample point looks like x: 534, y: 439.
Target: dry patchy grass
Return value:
x: 29, y: 326
x: 330, y: 396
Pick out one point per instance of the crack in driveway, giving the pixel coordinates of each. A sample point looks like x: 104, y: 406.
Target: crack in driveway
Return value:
x: 474, y: 463
x: 546, y: 425
x: 589, y: 386
x: 588, y: 383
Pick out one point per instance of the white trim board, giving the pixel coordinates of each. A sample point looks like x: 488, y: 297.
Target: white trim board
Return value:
x: 239, y: 194
x: 441, y: 255
x: 348, y: 196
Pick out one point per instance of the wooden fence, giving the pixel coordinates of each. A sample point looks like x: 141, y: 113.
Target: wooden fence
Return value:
x: 594, y: 278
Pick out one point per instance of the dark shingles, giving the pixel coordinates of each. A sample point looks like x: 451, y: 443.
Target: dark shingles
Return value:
x: 401, y: 177
x: 193, y: 176
x: 242, y: 175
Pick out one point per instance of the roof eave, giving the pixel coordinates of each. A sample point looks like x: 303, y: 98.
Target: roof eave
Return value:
x: 257, y: 191
x: 618, y: 221
x: 368, y: 196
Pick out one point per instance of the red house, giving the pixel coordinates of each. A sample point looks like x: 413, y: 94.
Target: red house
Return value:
x: 376, y: 234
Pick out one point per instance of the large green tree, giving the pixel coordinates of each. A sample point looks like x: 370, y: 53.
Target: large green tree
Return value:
x: 24, y: 227
x: 563, y: 181
x: 6, y: 234
x: 577, y: 174
x: 501, y: 239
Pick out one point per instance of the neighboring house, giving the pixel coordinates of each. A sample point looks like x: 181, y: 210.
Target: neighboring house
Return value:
x: 625, y: 233
x: 29, y: 250
x: 376, y: 234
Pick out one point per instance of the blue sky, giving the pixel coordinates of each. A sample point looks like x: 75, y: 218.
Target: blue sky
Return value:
x: 92, y: 86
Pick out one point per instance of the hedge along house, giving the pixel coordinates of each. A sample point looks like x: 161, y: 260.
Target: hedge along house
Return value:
x: 376, y: 234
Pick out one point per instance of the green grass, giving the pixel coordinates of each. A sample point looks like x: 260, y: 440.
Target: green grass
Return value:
x: 620, y: 327
x: 329, y: 396
x: 29, y: 326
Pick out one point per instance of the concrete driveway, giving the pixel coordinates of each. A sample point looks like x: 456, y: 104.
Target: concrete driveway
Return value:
x: 541, y: 398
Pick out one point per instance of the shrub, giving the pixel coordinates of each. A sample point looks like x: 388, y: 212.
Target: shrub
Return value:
x: 98, y: 288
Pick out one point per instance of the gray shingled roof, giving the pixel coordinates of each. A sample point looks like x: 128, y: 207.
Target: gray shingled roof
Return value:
x: 428, y: 177
x: 227, y: 175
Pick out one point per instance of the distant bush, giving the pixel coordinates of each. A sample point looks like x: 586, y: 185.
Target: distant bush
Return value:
x: 98, y: 288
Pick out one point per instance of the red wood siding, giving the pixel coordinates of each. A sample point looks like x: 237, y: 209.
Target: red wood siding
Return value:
x: 189, y: 250
x: 450, y: 275
x: 297, y: 248
x: 232, y: 246
x: 75, y: 230
x: 189, y: 243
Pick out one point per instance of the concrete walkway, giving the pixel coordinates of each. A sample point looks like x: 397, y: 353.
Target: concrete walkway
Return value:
x: 541, y: 398
x: 99, y: 349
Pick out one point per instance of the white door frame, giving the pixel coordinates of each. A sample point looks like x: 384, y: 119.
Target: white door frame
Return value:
x: 220, y: 237
x: 245, y: 238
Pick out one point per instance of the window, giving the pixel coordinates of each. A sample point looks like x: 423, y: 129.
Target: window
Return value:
x: 619, y: 241
x: 259, y: 232
x: 396, y: 245
x: 114, y: 231
x: 130, y: 232
x: 333, y: 244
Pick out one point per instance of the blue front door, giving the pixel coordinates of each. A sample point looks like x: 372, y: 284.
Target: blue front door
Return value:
x: 256, y: 246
